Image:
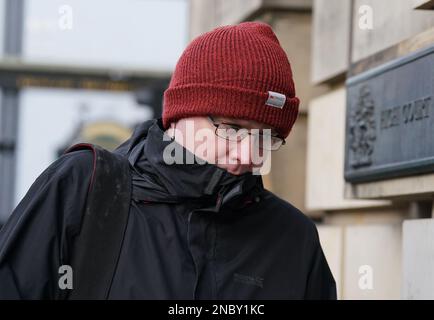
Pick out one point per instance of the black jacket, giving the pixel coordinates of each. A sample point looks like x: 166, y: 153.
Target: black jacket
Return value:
x: 194, y: 232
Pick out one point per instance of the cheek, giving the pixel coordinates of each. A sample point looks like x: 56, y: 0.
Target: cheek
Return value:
x: 216, y: 150
x: 221, y: 149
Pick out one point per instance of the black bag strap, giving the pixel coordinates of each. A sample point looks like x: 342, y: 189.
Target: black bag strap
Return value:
x: 97, y: 247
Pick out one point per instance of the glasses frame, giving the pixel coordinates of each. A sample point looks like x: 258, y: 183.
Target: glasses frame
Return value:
x: 216, y: 125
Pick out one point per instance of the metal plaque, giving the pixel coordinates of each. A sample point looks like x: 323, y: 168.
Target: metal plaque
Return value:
x: 390, y: 119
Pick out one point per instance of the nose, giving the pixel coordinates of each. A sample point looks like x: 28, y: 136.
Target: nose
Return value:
x: 244, y: 155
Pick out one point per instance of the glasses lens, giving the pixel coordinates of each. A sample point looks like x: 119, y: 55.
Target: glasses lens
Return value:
x: 263, y: 141
x: 268, y: 142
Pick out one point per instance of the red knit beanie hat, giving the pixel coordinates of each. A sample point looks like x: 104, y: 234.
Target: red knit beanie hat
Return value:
x: 236, y: 71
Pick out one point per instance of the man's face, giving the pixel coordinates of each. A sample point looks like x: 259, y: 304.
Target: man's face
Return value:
x: 237, y: 156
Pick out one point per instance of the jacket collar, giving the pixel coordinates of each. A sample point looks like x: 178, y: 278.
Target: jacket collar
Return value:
x: 154, y: 180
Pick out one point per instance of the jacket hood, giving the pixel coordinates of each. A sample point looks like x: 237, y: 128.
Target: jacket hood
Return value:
x: 156, y: 181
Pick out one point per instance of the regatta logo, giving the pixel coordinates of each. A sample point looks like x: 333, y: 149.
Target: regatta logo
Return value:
x: 249, y: 280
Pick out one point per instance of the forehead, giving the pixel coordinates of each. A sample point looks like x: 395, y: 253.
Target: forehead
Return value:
x: 248, y: 124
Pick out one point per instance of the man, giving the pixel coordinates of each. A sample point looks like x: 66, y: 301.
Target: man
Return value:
x: 200, y: 225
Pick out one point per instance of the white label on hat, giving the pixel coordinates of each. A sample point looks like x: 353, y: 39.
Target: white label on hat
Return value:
x: 275, y: 99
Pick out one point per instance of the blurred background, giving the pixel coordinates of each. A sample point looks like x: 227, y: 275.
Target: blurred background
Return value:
x: 79, y: 71
x: 90, y: 71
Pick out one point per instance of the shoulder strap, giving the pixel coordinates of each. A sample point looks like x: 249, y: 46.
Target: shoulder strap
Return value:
x: 97, y: 247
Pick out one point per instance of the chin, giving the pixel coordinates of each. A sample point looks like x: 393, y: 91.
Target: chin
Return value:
x: 237, y: 171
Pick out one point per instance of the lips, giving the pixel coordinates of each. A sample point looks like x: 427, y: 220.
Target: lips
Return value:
x: 239, y: 169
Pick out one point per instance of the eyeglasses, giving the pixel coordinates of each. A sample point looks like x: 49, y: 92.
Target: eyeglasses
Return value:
x: 236, y: 133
